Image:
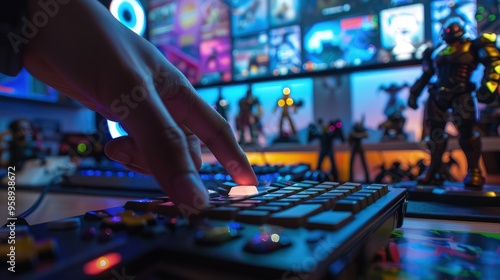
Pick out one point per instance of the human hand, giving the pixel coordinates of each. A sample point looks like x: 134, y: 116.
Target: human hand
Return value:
x: 85, y: 53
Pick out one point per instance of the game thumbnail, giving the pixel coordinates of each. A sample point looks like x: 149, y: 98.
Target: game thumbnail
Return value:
x: 249, y: 16
x: 251, y: 57
x: 285, y: 50
x: 341, y: 43
x: 402, y: 30
x: 284, y: 12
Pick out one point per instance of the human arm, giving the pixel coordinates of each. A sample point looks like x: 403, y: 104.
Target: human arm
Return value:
x: 85, y: 53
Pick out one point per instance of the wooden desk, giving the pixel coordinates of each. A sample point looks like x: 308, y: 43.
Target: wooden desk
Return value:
x: 56, y: 206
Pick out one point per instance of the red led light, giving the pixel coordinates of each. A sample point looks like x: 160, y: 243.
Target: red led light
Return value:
x: 101, y: 263
x: 338, y: 125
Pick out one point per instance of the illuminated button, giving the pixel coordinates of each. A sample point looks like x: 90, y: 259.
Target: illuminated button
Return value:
x: 492, y: 86
x: 134, y: 223
x: 113, y: 222
x: 25, y: 253
x: 142, y: 204
x: 101, y: 264
x: 216, y: 235
x: 492, y: 37
x: 266, y: 242
x: 96, y: 215
x: 64, y: 224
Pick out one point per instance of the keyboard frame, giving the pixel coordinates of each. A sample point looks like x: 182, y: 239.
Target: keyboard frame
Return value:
x: 179, y: 253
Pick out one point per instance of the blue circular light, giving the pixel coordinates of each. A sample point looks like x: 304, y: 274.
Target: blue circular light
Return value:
x: 130, y: 13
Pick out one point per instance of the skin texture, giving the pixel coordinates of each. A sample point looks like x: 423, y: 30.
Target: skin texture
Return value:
x: 85, y: 53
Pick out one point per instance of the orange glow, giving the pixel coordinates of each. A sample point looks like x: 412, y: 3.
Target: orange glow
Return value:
x: 101, y: 263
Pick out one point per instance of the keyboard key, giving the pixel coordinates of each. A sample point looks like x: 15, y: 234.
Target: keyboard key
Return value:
x: 369, y: 196
x: 347, y: 205
x: 255, y: 217
x: 267, y: 242
x: 351, y: 189
x: 295, y: 216
x: 382, y: 187
x: 357, y: 186
x: 166, y: 209
x: 363, y: 201
x: 142, y: 204
x: 268, y: 208
x: 281, y: 204
x: 374, y: 193
x: 329, y: 220
x: 223, y: 213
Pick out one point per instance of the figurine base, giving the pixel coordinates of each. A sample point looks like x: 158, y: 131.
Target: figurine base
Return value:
x: 453, y: 193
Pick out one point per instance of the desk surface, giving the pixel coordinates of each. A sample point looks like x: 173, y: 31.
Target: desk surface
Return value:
x: 423, y: 247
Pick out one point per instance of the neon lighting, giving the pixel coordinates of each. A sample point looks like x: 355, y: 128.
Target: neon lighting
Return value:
x: 138, y: 16
x: 492, y: 86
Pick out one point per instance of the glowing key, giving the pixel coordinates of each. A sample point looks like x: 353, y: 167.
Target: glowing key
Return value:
x: 101, y: 263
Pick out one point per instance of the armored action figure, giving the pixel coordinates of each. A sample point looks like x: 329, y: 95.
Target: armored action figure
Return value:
x: 453, y: 63
x: 357, y: 134
x: 327, y: 134
x: 393, y: 126
x: 248, y: 117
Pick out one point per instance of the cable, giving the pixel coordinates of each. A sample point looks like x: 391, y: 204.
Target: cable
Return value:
x: 21, y: 219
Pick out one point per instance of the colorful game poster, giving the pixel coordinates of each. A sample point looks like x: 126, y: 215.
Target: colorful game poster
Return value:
x: 249, y: 16
x: 437, y: 254
x: 161, y: 17
x: 341, y: 43
x: 284, y: 12
x: 285, y: 50
x: 330, y: 8
x: 215, y: 60
x: 179, y: 38
x: 251, y: 57
x: 444, y: 10
x: 402, y: 30
x: 215, y: 46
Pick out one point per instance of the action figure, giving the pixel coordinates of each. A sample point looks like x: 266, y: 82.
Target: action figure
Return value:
x: 221, y: 105
x: 287, y: 104
x: 25, y: 143
x: 393, y: 126
x: 489, y: 119
x: 248, y: 117
x: 453, y: 63
x: 357, y: 134
x: 327, y: 134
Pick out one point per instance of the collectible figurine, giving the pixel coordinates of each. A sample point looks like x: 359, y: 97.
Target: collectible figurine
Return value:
x: 221, y: 105
x: 453, y: 63
x: 327, y: 134
x: 357, y: 134
x: 393, y: 126
x: 25, y: 143
x: 287, y: 105
x: 489, y: 119
x: 248, y: 117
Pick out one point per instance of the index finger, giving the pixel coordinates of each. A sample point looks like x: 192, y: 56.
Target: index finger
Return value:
x: 213, y: 130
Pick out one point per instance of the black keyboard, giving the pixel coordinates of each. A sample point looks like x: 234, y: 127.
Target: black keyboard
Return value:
x: 286, y: 230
